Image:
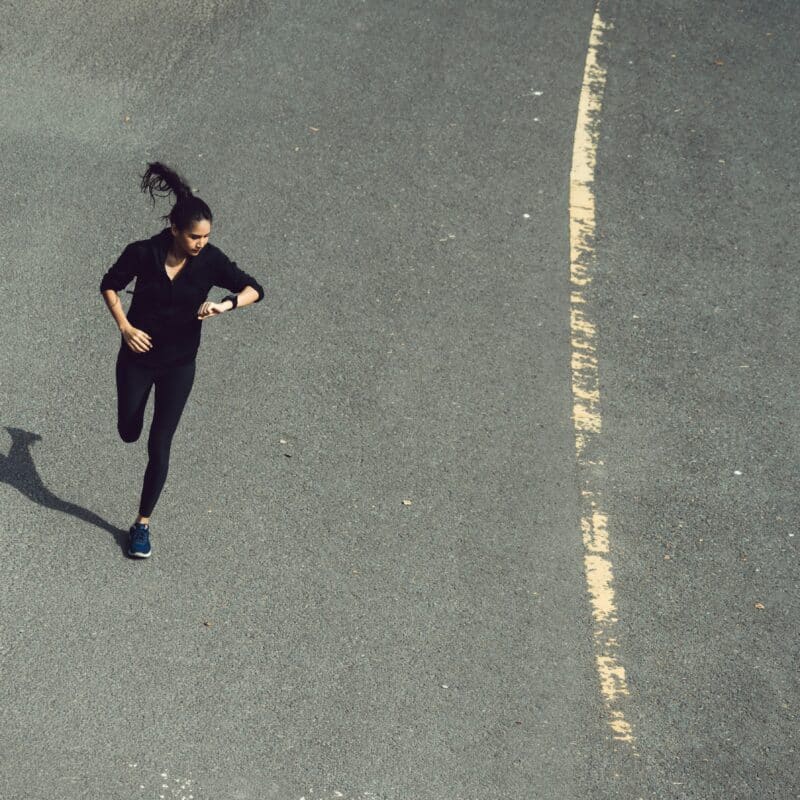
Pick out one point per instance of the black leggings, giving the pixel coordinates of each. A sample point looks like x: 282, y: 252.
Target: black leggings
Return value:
x: 173, y: 385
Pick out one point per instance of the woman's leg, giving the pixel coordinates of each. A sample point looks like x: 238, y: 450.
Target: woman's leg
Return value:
x: 172, y: 391
x: 133, y: 389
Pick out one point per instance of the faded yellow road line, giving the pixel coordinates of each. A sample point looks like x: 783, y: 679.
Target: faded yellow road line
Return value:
x: 586, y: 416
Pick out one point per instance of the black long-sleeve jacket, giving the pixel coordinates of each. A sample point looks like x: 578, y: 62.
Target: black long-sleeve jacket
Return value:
x: 167, y: 309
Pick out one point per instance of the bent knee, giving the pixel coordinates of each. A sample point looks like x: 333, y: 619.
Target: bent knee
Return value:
x: 127, y: 435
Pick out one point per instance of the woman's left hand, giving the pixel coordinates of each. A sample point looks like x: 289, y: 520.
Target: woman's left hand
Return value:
x: 211, y: 310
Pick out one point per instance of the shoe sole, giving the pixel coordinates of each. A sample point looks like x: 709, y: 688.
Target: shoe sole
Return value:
x: 140, y: 555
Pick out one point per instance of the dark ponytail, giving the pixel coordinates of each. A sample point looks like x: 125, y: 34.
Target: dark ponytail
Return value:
x: 160, y: 181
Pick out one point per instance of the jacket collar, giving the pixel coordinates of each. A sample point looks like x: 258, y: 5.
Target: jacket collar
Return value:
x: 159, y: 245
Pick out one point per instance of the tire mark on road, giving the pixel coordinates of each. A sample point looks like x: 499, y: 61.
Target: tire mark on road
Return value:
x: 586, y: 412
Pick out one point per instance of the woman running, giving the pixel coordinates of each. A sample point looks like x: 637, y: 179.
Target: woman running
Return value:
x: 174, y: 271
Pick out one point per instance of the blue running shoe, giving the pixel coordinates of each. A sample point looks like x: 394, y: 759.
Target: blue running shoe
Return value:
x: 139, y: 542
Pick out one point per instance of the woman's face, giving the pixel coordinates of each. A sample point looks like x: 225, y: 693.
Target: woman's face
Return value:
x: 193, y: 239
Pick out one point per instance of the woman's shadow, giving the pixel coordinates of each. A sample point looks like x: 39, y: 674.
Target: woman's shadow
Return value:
x: 18, y: 470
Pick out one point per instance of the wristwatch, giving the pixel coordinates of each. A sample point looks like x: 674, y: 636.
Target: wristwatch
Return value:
x: 233, y: 298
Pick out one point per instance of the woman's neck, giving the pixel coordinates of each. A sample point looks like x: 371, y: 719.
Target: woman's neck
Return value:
x: 174, y: 256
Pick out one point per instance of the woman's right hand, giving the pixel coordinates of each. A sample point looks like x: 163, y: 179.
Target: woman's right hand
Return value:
x: 138, y: 341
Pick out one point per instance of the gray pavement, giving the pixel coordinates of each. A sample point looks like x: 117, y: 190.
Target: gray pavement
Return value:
x: 299, y: 631
x: 698, y: 204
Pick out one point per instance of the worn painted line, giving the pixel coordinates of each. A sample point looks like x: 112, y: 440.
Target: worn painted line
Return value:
x: 586, y: 411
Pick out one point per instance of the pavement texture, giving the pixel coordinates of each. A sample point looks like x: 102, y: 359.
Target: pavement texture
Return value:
x: 300, y: 631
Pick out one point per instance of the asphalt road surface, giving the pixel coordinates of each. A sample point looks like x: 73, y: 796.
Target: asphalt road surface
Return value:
x: 368, y: 572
